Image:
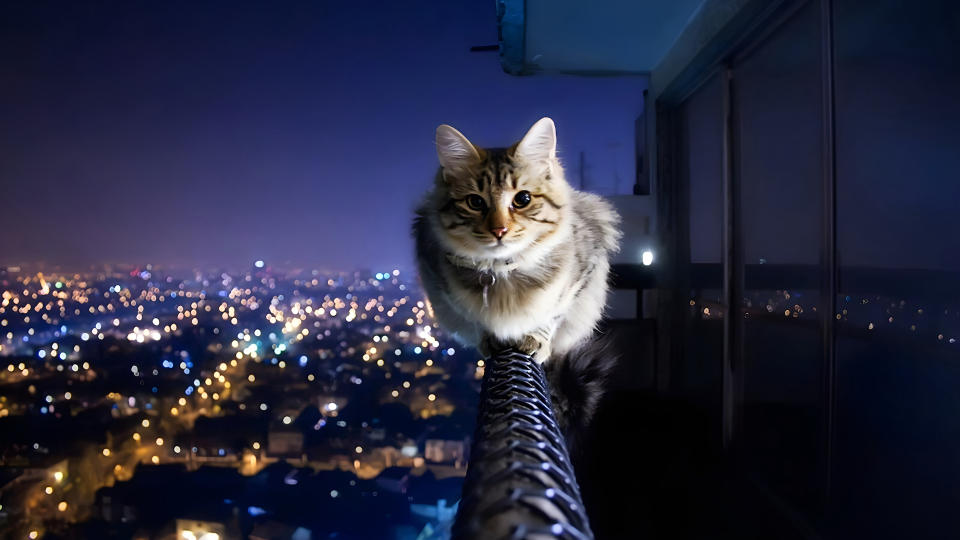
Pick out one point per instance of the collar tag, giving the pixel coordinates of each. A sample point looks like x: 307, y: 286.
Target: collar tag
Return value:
x: 486, y: 279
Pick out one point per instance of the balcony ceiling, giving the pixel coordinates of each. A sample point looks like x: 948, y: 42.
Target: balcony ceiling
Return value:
x: 612, y: 36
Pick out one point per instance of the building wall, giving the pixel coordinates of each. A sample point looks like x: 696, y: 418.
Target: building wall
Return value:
x: 807, y: 160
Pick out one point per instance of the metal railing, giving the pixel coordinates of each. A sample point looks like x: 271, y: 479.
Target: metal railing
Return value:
x: 520, y: 482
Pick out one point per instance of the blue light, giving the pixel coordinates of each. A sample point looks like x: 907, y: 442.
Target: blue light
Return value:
x: 303, y: 361
x: 63, y: 329
x: 188, y: 391
x: 221, y: 452
x: 256, y: 511
x: 258, y: 264
x: 43, y: 410
x: 42, y: 353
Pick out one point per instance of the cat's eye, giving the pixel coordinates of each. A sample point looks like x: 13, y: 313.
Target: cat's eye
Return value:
x: 476, y: 202
x: 521, y: 199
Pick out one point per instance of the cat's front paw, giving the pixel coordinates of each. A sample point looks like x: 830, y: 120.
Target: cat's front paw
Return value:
x: 535, y: 346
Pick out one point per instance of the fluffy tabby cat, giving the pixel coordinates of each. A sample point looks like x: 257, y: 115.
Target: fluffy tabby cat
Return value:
x: 511, y: 256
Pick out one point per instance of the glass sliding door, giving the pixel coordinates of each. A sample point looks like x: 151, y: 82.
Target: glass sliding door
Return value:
x: 897, y: 457
x: 700, y: 138
x: 777, y: 115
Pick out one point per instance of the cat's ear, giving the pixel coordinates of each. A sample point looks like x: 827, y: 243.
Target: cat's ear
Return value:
x: 455, y: 151
x: 540, y: 143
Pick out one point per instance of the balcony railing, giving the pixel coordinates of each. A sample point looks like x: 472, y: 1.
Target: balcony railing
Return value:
x: 520, y: 483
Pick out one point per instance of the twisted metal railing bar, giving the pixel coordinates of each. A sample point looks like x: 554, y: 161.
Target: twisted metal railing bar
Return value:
x: 520, y: 483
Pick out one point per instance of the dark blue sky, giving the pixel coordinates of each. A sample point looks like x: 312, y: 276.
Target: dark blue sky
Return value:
x: 215, y: 133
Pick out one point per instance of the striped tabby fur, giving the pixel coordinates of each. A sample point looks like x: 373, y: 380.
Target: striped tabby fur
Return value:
x: 545, y: 275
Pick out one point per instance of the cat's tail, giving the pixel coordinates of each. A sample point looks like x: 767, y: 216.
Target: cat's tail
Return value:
x: 578, y: 380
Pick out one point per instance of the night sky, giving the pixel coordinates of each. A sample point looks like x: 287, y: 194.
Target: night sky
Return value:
x: 215, y: 134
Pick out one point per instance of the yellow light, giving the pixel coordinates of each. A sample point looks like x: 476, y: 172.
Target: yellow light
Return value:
x: 33, y: 535
x: 358, y: 449
x: 159, y: 441
x: 395, y: 393
x: 251, y: 378
x: 256, y: 445
x: 106, y: 452
x: 145, y: 423
x: 182, y: 401
x: 48, y: 490
x: 62, y: 506
x: 136, y: 436
x: 432, y: 397
x: 58, y: 476
x: 155, y: 460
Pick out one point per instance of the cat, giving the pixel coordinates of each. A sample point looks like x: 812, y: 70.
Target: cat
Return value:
x: 511, y: 256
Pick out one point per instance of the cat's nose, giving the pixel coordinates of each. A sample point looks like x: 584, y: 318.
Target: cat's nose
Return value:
x: 499, y: 231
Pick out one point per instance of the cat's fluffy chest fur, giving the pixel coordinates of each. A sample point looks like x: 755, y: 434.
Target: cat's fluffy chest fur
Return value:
x: 509, y: 254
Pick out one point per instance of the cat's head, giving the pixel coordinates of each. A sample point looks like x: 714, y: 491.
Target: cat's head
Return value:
x: 493, y: 203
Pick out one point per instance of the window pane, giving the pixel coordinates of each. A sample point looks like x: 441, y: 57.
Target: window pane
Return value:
x: 700, y: 168
x: 897, y: 111
x: 777, y: 106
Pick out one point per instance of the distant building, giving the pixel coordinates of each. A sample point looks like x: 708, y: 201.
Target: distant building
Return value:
x: 394, y: 479
x: 190, y: 529
x: 445, y: 451
x: 283, y: 443
x: 273, y: 530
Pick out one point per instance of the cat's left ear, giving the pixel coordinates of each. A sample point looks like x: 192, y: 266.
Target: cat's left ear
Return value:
x: 540, y: 143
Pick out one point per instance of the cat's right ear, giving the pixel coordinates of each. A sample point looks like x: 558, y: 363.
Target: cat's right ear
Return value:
x: 457, y: 154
